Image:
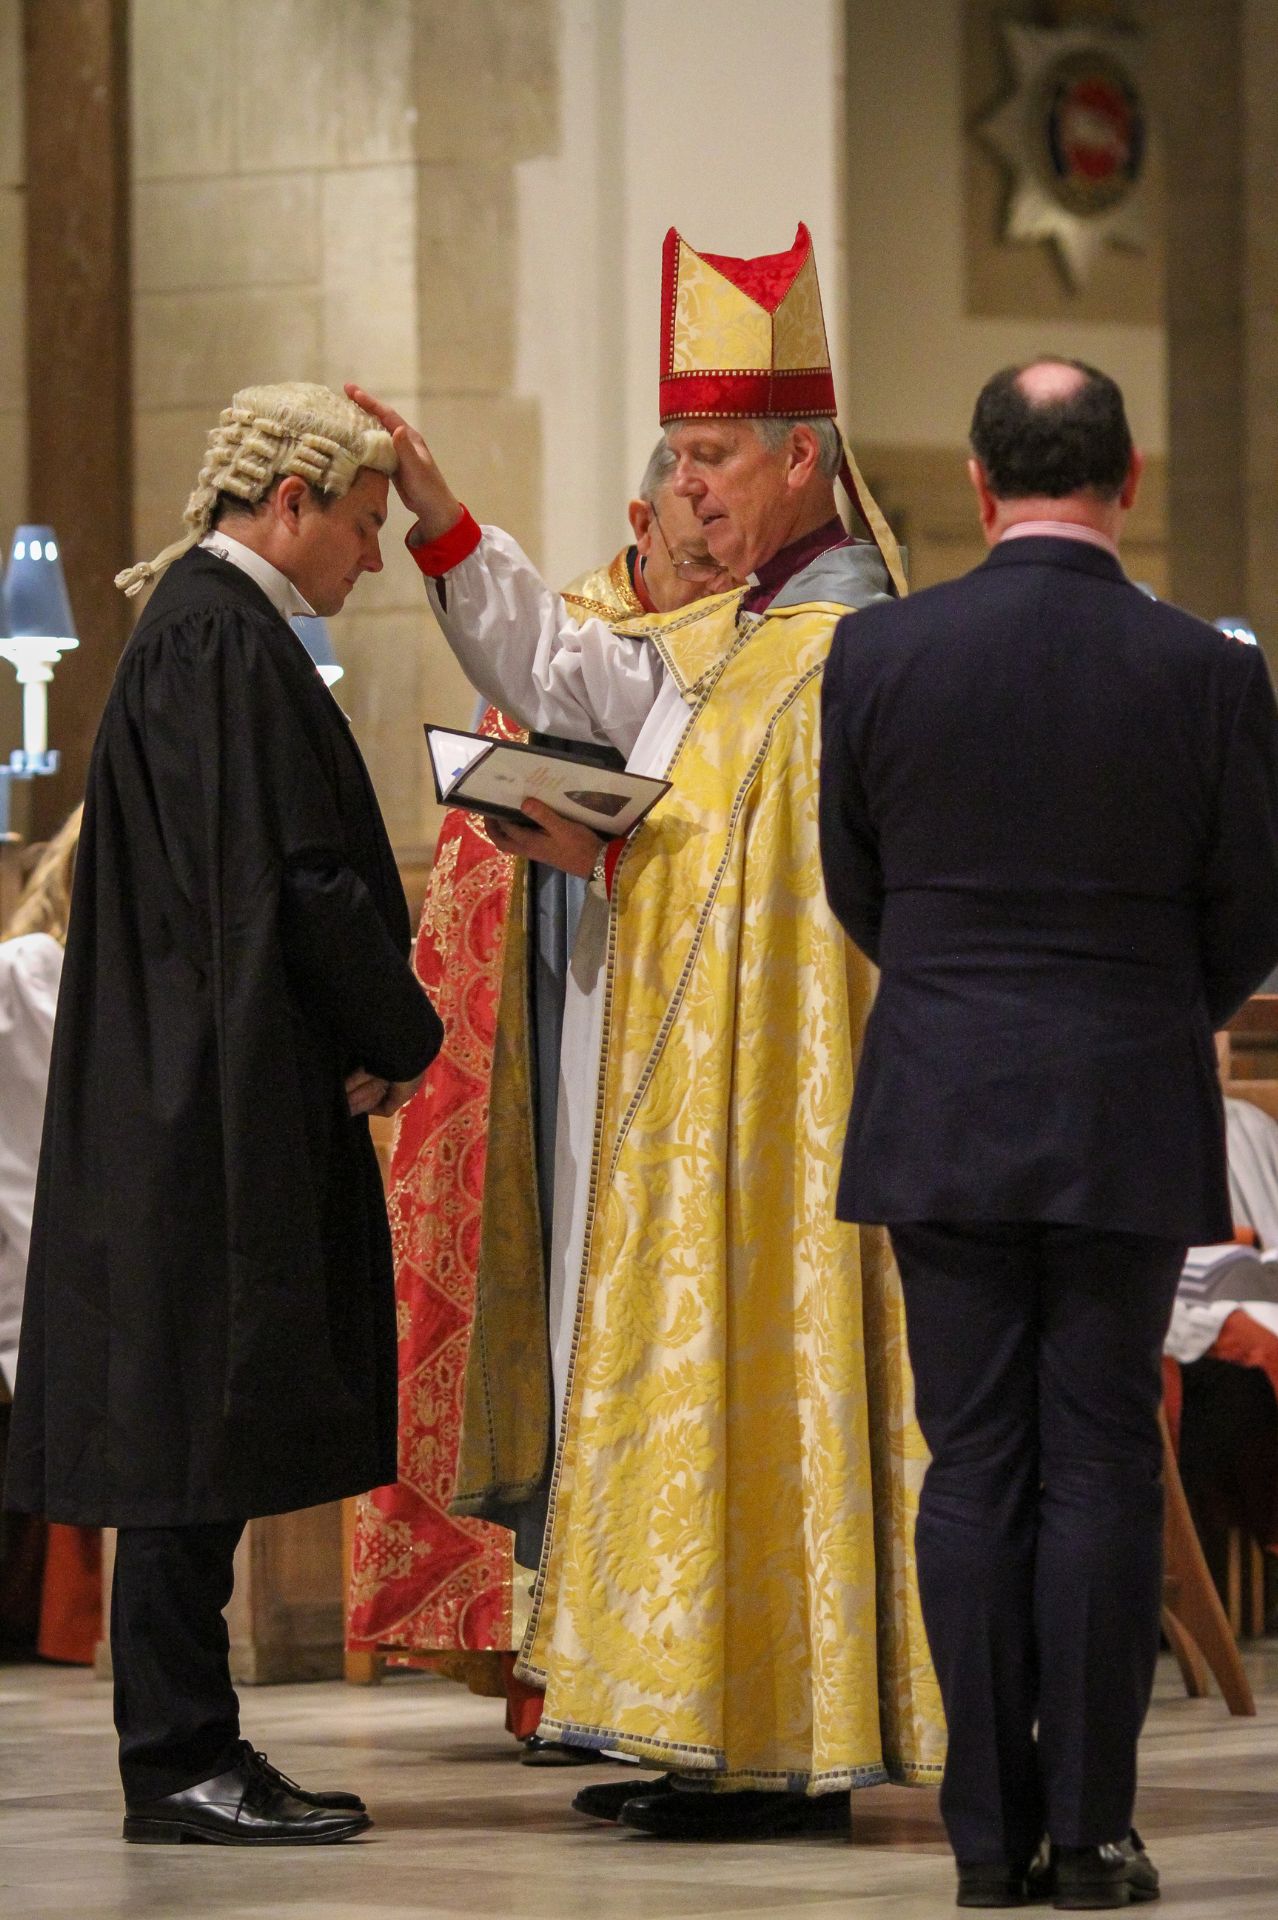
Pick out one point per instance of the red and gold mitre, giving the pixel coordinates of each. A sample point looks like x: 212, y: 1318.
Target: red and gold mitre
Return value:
x: 742, y: 338
x: 745, y: 339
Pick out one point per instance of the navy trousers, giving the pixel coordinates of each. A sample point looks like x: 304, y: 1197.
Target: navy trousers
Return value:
x: 1036, y: 1352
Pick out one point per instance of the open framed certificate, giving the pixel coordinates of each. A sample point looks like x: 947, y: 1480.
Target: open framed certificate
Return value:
x: 579, y: 781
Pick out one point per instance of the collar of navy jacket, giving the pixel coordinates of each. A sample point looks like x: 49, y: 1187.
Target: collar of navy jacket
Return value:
x: 1054, y: 550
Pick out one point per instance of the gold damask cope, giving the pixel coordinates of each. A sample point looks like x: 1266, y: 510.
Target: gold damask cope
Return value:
x: 729, y: 1584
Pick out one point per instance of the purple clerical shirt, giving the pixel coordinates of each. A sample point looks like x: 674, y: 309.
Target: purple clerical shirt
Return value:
x: 767, y: 582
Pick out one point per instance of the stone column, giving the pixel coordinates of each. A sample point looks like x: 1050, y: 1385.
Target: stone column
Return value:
x: 79, y: 462
x: 1258, y: 465
x: 1200, y: 117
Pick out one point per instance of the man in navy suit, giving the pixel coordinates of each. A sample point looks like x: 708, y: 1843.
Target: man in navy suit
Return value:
x: 1049, y: 812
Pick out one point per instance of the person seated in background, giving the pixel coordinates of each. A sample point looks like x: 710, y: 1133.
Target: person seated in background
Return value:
x: 1220, y: 1359
x: 1252, y: 1143
x: 31, y: 944
x: 1234, y: 1316
x: 54, y: 1571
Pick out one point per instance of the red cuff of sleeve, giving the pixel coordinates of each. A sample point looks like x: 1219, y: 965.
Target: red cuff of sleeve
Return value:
x: 436, y: 557
x: 611, y: 857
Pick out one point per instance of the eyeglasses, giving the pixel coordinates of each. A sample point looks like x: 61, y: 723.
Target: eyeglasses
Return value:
x: 688, y: 566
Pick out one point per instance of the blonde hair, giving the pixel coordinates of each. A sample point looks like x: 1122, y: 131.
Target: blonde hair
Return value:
x: 265, y: 434
x: 45, y: 901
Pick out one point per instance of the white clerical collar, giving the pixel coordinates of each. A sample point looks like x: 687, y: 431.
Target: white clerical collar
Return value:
x: 277, y: 586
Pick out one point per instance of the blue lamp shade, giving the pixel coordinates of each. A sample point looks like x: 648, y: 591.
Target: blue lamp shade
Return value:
x: 312, y: 631
x: 1237, y: 628
x: 35, y: 589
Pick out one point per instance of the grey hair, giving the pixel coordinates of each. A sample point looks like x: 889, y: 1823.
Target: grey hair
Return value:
x: 659, y: 470
x: 775, y: 433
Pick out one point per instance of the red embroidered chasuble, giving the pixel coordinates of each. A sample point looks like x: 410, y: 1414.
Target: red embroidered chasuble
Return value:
x: 423, y: 1580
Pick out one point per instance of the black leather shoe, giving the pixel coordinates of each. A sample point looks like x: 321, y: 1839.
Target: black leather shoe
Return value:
x: 243, y: 1807
x: 744, y: 1815
x: 605, y: 1800
x: 1004, y: 1886
x: 1110, y: 1876
x: 345, y: 1802
x: 990, y: 1886
x: 556, y: 1753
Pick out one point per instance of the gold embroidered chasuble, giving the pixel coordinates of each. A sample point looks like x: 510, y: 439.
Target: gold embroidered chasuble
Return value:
x: 728, y: 1583
x: 606, y: 593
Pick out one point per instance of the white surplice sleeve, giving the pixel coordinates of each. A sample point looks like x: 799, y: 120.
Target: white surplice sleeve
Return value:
x: 519, y: 646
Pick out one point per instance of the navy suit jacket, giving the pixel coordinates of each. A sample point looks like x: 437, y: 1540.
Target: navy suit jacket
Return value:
x: 1049, y: 812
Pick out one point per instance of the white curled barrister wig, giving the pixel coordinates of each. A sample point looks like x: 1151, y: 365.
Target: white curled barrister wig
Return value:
x: 265, y: 434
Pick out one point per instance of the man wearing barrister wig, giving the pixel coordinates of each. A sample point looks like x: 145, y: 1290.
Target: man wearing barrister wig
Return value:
x: 727, y: 1588
x: 209, y: 1326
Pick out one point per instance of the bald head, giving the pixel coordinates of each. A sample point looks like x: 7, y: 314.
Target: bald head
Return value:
x: 1052, y: 428
x: 1044, y: 382
x: 1051, y: 441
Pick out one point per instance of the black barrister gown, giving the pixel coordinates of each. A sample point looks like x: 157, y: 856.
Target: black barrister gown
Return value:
x: 209, y: 1330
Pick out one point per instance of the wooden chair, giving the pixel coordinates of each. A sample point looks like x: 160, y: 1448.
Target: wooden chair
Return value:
x: 1244, y: 1585
x: 1194, y: 1621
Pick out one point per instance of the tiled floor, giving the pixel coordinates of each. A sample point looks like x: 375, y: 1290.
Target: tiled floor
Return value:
x: 463, y: 1829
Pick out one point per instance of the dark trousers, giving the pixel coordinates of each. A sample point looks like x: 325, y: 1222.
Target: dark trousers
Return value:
x: 175, y: 1709
x: 1036, y: 1352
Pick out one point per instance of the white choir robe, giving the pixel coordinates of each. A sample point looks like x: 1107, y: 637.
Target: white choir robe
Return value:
x: 30, y: 970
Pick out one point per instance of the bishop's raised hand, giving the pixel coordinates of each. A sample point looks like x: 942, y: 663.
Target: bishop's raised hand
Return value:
x: 418, y: 481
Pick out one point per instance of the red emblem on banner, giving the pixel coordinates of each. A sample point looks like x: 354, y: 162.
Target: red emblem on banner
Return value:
x: 1095, y: 129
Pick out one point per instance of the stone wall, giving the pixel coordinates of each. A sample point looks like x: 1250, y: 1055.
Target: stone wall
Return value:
x: 324, y: 191
x: 917, y: 347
